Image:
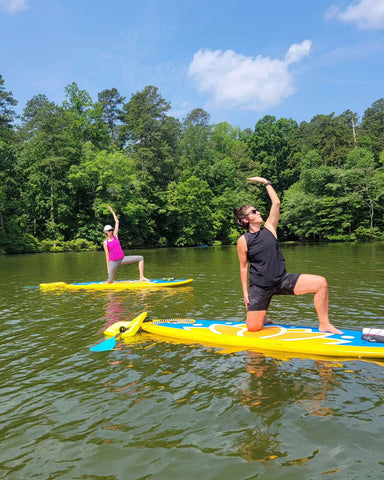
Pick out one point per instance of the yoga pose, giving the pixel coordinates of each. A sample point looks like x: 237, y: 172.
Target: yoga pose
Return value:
x: 259, y: 249
x: 114, y: 253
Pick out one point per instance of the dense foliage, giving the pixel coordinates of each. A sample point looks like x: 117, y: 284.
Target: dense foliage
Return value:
x: 176, y: 183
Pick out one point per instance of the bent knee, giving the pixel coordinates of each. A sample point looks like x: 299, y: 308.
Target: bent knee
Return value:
x: 254, y: 326
x: 323, y: 282
x: 321, y: 285
x: 310, y: 284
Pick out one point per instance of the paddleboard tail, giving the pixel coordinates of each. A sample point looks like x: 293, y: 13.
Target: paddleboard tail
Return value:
x: 53, y: 285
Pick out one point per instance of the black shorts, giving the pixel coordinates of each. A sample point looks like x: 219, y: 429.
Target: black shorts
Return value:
x: 260, y: 297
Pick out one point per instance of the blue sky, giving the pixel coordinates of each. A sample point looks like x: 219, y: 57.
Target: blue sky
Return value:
x: 239, y: 60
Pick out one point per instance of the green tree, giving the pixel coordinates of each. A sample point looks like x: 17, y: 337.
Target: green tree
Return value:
x: 366, y: 182
x: 298, y: 215
x: 315, y: 176
x: 350, y: 120
x: 12, y: 238
x: 110, y: 177
x: 142, y: 118
x: 372, y: 128
x: 43, y: 161
x: 85, y: 119
x: 150, y: 136
x: 228, y: 152
x: 189, y: 212
x: 7, y: 133
x: 329, y: 135
x: 111, y: 102
x: 7, y: 112
x: 194, y: 150
x: 316, y: 207
x: 271, y: 150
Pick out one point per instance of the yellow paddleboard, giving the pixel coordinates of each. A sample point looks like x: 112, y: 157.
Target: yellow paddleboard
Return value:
x: 118, y: 285
x: 278, y: 338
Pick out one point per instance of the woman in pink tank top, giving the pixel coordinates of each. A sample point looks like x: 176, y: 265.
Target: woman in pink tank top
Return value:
x: 114, y: 254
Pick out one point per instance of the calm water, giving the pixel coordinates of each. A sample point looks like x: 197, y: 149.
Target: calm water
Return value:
x: 151, y: 409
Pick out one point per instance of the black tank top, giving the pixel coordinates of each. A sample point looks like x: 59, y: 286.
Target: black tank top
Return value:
x: 267, y: 264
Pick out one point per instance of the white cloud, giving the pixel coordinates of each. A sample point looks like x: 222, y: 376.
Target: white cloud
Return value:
x: 368, y: 14
x: 249, y: 83
x: 14, y: 6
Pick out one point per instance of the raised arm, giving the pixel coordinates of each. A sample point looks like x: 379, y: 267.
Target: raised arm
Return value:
x: 116, y: 229
x: 274, y: 213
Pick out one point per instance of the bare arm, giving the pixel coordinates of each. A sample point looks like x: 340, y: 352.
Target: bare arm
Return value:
x: 243, y: 260
x: 116, y: 229
x: 106, y: 253
x: 274, y: 213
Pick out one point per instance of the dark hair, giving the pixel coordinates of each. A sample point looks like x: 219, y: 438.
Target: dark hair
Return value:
x: 240, y: 215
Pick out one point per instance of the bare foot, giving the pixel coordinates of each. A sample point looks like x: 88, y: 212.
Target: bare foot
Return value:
x: 144, y: 279
x: 330, y: 328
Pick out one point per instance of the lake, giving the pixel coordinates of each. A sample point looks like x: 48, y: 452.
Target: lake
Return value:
x: 152, y: 409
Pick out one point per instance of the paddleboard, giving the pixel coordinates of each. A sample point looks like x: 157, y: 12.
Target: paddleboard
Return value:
x: 119, y: 285
x: 278, y: 338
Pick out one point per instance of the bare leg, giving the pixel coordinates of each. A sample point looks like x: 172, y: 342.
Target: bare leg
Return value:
x: 256, y: 320
x: 319, y: 287
x: 141, y: 271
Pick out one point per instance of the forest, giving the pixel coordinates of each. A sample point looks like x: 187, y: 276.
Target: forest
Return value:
x: 175, y: 182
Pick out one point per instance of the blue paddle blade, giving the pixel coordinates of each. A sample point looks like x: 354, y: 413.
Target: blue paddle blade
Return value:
x: 129, y: 331
x: 105, y: 346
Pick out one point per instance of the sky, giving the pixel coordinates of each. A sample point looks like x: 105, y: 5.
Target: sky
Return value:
x: 237, y: 59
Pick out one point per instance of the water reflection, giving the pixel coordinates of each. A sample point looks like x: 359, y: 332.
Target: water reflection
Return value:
x: 271, y: 385
x: 123, y: 306
x: 315, y: 395
x: 115, y: 311
x: 271, y: 390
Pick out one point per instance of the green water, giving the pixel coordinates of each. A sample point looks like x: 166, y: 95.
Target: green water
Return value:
x: 156, y: 410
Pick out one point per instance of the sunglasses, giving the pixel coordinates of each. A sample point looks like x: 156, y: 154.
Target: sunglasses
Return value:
x: 110, y: 230
x: 253, y: 212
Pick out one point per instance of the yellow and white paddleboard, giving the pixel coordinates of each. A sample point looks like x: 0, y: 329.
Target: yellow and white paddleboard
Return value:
x: 278, y: 338
x: 118, y: 285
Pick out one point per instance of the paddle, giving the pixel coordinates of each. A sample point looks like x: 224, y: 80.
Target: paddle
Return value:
x: 128, y: 331
x: 107, y: 345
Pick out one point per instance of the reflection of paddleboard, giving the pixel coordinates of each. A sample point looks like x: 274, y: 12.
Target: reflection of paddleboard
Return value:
x: 119, y: 285
x: 278, y: 338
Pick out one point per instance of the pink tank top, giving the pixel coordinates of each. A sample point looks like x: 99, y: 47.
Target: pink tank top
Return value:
x: 115, y: 250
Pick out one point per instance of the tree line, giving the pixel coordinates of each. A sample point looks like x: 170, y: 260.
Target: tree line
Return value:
x: 175, y: 182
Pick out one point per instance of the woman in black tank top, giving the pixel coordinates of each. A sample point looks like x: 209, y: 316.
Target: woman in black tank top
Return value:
x: 262, y: 261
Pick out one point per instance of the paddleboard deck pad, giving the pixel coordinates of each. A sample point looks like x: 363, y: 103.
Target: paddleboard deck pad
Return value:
x: 118, y: 285
x: 278, y: 338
